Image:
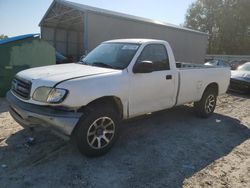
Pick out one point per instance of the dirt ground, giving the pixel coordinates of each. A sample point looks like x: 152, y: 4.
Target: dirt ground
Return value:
x: 171, y: 149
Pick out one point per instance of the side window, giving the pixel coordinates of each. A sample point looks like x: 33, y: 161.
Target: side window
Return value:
x: 156, y: 53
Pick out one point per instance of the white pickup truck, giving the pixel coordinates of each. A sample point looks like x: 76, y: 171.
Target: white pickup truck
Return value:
x: 119, y: 79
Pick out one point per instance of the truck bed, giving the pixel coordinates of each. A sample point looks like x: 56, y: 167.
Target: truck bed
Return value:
x: 194, y: 78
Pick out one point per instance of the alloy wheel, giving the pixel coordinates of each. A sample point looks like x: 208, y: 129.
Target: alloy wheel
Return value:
x: 101, y: 132
x: 210, y: 103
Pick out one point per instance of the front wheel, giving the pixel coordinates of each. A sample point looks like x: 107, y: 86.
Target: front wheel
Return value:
x: 97, y: 132
x: 206, y: 106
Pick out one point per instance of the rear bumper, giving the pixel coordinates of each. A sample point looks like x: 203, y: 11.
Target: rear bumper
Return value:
x: 30, y: 115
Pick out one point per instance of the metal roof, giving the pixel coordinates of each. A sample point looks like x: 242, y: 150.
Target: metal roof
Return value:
x: 20, y: 37
x: 86, y: 8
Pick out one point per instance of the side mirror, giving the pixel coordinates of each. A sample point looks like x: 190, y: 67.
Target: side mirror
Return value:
x: 143, y: 67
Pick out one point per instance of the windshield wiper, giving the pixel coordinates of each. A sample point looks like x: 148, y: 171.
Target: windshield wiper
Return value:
x: 101, y: 64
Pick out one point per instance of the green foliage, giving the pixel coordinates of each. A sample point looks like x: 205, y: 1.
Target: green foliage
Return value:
x: 226, y: 21
x: 3, y: 37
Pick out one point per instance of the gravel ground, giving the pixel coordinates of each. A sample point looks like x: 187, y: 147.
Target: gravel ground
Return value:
x: 172, y: 148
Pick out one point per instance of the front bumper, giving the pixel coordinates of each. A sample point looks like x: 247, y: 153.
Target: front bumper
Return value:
x: 30, y: 115
x: 239, y: 85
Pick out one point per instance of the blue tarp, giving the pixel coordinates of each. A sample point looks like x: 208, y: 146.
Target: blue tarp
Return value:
x: 20, y: 37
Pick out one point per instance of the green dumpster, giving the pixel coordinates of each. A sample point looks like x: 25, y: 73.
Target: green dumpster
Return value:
x: 20, y: 53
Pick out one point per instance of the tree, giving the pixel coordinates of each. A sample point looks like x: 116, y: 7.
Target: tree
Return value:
x: 235, y: 27
x: 226, y: 21
x: 3, y: 37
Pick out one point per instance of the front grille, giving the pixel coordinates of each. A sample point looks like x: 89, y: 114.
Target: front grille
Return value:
x: 21, y: 87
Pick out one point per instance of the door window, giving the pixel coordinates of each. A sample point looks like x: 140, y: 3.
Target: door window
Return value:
x: 156, y: 53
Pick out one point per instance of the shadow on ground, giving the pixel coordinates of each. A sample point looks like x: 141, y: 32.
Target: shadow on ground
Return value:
x: 159, y: 150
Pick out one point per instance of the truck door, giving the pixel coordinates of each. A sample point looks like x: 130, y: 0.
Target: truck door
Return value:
x: 152, y: 91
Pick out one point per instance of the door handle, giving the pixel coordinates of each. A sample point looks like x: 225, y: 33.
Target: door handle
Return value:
x: 168, y: 77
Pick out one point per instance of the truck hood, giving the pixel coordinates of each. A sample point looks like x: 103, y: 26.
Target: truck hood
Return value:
x: 58, y: 73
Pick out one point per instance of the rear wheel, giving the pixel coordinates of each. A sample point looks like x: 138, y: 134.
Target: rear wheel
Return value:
x: 97, y: 131
x: 205, y: 107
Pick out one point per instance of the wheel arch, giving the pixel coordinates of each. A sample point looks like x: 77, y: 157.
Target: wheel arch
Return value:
x: 201, y: 105
x: 213, y: 86
x: 114, y: 101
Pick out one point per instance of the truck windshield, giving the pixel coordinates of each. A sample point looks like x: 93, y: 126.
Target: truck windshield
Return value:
x: 111, y: 55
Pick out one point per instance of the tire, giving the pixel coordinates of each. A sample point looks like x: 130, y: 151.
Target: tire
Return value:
x: 205, y: 107
x: 97, y: 130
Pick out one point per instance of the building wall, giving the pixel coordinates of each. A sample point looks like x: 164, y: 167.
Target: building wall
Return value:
x: 187, y: 46
x: 65, y: 41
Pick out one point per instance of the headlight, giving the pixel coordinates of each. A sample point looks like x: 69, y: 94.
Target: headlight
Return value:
x: 50, y: 95
x: 41, y: 94
x: 56, y: 95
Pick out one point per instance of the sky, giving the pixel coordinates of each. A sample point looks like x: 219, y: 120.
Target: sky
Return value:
x: 23, y: 16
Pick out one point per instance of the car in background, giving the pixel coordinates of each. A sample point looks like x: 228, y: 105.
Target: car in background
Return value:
x: 217, y: 62
x: 240, y: 78
x: 236, y: 63
x: 61, y: 59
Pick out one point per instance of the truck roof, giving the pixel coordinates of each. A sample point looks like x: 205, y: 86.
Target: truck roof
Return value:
x: 136, y: 41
